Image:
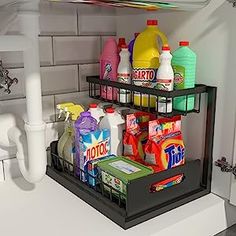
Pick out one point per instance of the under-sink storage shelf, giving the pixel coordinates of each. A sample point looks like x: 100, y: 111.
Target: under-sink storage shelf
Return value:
x: 140, y: 203
x: 96, y: 85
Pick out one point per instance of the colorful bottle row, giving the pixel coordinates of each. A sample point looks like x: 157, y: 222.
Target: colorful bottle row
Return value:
x: 142, y: 64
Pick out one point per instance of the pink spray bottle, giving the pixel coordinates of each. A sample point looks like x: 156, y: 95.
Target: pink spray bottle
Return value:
x: 109, y: 62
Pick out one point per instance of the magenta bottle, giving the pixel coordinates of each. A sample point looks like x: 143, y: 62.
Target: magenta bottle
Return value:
x: 109, y: 61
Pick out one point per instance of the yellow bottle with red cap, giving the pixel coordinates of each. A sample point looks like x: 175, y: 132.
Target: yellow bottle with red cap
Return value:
x: 146, y: 62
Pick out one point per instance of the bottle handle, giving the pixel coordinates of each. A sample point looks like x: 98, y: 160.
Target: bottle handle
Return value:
x: 163, y: 38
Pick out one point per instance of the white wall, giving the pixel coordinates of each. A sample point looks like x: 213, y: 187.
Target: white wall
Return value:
x: 71, y: 39
x: 212, y: 34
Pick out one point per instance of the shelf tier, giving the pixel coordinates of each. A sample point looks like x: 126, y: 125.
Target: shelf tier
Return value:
x: 95, y: 85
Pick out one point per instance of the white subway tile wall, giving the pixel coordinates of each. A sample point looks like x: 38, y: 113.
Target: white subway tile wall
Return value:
x: 87, y: 70
x: 72, y: 50
x: 70, y: 42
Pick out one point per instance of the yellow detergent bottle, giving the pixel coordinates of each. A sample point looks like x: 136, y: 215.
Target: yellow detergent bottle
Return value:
x: 61, y: 143
x: 146, y: 62
x: 73, y: 112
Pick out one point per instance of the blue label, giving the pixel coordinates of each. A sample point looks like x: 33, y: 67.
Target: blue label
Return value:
x: 175, y: 155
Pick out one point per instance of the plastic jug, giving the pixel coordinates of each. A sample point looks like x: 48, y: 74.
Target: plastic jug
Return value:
x: 184, y: 65
x: 96, y: 111
x: 124, y: 75
x: 165, y: 80
x: 116, y: 124
x: 131, y: 47
x: 109, y: 61
x: 146, y: 61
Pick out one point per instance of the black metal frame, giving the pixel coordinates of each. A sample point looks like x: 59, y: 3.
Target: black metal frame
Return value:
x: 142, y: 205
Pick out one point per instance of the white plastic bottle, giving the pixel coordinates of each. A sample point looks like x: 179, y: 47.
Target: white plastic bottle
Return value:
x: 116, y: 124
x: 96, y: 111
x: 165, y: 80
x: 124, y: 75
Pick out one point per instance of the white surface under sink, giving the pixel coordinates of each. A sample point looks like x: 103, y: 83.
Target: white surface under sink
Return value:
x: 49, y: 209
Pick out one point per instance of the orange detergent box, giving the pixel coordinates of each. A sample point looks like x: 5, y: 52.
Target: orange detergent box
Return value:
x: 136, y: 135
x: 165, y: 148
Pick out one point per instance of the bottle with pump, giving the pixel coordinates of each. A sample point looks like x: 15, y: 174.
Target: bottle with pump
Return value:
x: 116, y: 124
x: 63, y: 139
x: 165, y: 80
x: 109, y: 61
x: 146, y: 61
x: 96, y: 111
x: 73, y: 113
x: 124, y: 75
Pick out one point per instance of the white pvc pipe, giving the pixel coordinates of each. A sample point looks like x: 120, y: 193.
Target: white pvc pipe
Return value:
x: 31, y: 160
x: 30, y: 28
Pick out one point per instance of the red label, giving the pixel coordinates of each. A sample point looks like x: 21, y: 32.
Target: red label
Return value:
x: 101, y: 149
x: 144, y: 74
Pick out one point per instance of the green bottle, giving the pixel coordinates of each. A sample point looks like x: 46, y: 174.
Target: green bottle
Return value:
x: 184, y: 65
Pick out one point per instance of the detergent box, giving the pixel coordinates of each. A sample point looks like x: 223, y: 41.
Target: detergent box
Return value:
x: 118, y: 172
x: 93, y: 145
x: 93, y: 169
x: 165, y: 148
x: 136, y: 135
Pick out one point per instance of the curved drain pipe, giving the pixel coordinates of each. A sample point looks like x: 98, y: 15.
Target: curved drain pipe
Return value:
x: 31, y: 149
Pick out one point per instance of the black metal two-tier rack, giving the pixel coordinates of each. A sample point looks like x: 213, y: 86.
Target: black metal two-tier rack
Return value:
x: 141, y: 204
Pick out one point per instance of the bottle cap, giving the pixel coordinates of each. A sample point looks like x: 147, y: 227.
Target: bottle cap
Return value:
x: 184, y: 43
x: 110, y: 110
x: 124, y: 46
x: 165, y: 48
x: 121, y: 41
x: 152, y: 22
x: 93, y: 105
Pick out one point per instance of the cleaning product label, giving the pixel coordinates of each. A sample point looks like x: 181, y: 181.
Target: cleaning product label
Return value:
x: 106, y: 74
x: 92, y: 146
x: 115, y: 183
x: 124, y: 78
x: 179, y: 72
x: 165, y: 149
x: 144, y: 77
x: 124, y: 167
x: 136, y: 134
x: 93, y: 169
x: 165, y: 144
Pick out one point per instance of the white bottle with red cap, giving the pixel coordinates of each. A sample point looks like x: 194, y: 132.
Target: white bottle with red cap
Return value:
x: 116, y: 124
x: 124, y: 75
x: 96, y: 111
x: 165, y: 80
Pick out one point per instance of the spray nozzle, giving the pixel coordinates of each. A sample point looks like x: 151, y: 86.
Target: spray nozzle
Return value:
x: 62, y: 106
x: 73, y: 112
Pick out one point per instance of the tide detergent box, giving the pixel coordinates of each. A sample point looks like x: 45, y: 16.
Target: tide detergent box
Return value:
x: 93, y: 169
x: 94, y: 145
x: 165, y: 148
